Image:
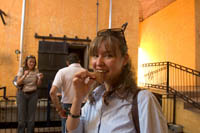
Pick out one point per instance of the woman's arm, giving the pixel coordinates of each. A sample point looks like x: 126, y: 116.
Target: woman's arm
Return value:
x: 20, y: 79
x: 72, y: 122
x: 151, y: 117
x: 81, y: 88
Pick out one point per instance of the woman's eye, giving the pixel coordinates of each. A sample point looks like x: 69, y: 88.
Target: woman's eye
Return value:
x: 109, y: 55
x: 95, y: 56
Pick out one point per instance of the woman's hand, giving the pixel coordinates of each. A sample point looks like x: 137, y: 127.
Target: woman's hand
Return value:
x: 21, y: 78
x: 82, y: 82
x: 26, y: 72
x: 40, y: 75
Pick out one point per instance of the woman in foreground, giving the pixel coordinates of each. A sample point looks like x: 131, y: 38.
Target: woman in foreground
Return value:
x: 109, y: 105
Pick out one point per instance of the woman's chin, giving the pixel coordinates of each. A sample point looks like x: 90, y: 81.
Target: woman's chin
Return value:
x: 31, y: 68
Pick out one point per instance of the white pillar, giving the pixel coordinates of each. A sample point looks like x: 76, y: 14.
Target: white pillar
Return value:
x: 22, y: 32
x: 110, y: 15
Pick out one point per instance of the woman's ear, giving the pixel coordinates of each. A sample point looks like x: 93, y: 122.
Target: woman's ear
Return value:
x: 126, y: 58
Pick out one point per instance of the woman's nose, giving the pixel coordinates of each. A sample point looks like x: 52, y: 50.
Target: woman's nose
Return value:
x: 100, y: 61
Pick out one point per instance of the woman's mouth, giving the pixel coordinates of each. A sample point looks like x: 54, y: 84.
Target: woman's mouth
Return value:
x: 100, y: 71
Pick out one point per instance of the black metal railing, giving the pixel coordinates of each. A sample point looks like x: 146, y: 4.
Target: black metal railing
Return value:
x: 46, y: 120
x: 4, y: 92
x: 174, y: 80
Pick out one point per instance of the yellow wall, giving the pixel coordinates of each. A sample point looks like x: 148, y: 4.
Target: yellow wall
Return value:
x: 9, y: 41
x: 187, y: 118
x: 61, y: 17
x: 197, y: 25
x: 169, y: 35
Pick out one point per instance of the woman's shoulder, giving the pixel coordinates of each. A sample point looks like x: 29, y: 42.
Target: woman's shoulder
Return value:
x: 145, y: 95
x: 36, y: 70
x: 20, y: 71
x: 144, y: 92
x: 21, y: 68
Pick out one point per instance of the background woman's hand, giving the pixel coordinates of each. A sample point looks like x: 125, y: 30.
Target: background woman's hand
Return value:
x: 40, y: 75
x: 26, y: 72
x: 82, y: 82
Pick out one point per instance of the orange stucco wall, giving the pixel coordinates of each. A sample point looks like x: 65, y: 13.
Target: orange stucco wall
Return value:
x: 197, y: 25
x: 169, y: 35
x: 61, y: 17
x: 9, y: 41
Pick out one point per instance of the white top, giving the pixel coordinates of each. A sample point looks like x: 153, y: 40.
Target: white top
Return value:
x: 117, y: 117
x: 30, y: 81
x: 63, y: 80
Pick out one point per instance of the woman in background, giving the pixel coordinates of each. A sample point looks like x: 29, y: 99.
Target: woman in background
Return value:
x: 30, y: 78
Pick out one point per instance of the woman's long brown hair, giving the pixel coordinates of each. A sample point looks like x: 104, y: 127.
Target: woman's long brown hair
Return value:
x: 25, y: 64
x: 125, y: 84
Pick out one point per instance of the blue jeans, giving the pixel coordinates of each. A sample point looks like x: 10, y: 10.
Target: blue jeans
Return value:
x: 63, y: 120
x: 27, y: 105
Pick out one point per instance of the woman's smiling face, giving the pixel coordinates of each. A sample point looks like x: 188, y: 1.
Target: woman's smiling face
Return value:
x: 31, y: 63
x: 108, y: 62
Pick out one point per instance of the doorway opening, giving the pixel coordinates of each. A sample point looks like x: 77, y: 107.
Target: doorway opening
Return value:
x: 52, y: 57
